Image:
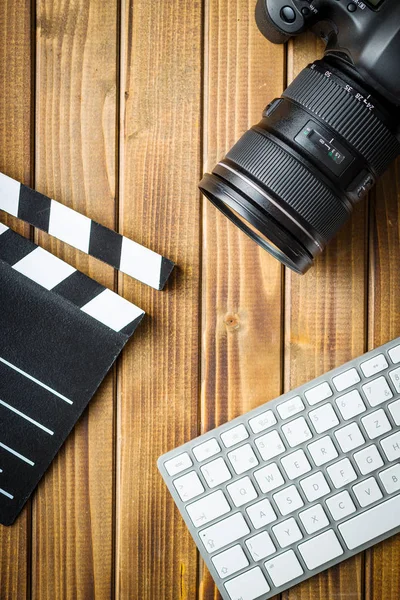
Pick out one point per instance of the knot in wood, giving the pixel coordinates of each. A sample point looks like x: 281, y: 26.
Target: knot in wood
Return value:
x: 232, y: 321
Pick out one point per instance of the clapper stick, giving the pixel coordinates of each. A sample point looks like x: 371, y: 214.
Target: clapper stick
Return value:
x: 60, y: 333
x: 82, y: 233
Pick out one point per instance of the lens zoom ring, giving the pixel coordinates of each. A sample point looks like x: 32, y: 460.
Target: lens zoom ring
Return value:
x: 285, y: 177
x: 360, y: 127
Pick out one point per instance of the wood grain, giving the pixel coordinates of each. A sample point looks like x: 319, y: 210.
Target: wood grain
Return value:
x: 15, y: 161
x: 242, y: 284
x: 382, y: 572
x: 76, y: 84
x: 159, y: 376
x: 325, y: 327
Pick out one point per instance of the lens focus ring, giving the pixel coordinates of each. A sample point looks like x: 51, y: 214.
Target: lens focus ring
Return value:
x: 346, y: 115
x: 286, y: 177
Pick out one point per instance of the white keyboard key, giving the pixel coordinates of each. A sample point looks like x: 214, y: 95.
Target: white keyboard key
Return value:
x: 261, y: 514
x: 374, y: 365
x: 395, y: 411
x: 391, y: 479
x: 371, y: 524
x: 323, y: 451
x: 341, y: 473
x: 394, y: 354
x: 189, y: 486
x: 229, y: 562
x: 287, y: 533
x: 251, y: 585
x: 376, y: 424
x: 391, y: 446
x: 315, y: 486
x: 323, y: 418
x: 350, y: 405
x: 296, y: 464
x: 207, y: 509
x: 368, y: 460
x: 377, y: 391
x: 206, y: 450
x: 318, y: 393
x: 395, y: 377
x: 216, y: 472
x: 320, y: 550
x: 242, y: 459
x: 314, y: 519
x: 269, y: 478
x: 290, y: 407
x: 349, y: 437
x: 296, y: 432
x: 288, y: 500
x: 263, y: 421
x: 341, y: 506
x: 260, y: 546
x: 367, y: 492
x: 234, y: 436
x: 270, y: 445
x: 346, y: 380
x: 224, y: 532
x: 284, y: 568
x: 242, y: 491
x: 178, y: 464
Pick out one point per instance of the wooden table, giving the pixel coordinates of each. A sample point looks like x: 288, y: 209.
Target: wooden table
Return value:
x: 115, y: 108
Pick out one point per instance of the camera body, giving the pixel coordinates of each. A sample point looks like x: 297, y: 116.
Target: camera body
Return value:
x: 365, y: 33
x: 291, y: 181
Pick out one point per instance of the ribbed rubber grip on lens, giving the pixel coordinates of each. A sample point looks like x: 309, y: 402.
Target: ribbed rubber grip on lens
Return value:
x: 349, y: 117
x: 287, y: 179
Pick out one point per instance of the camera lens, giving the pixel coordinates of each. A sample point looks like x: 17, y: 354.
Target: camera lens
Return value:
x: 291, y: 182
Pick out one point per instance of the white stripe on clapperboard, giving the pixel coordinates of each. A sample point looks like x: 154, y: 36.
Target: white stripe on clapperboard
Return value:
x: 24, y: 416
x: 7, y: 494
x: 43, y: 385
x: 17, y: 454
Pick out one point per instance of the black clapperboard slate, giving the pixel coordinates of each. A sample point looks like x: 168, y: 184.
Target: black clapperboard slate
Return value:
x: 60, y: 332
x: 56, y: 347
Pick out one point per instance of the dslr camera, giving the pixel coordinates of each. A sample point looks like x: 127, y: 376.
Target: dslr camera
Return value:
x: 292, y: 181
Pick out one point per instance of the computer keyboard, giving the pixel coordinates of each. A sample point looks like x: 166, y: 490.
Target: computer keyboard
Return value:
x: 298, y: 484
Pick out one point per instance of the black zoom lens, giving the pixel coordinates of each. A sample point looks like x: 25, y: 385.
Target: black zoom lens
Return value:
x: 291, y: 181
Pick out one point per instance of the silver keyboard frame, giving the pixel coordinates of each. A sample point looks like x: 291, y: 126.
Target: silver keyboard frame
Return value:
x: 272, y: 405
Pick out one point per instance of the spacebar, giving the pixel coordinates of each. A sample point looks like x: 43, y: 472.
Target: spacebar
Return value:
x: 371, y: 524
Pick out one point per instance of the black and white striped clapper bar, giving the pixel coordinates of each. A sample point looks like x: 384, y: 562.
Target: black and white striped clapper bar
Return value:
x: 82, y: 233
x: 60, y: 333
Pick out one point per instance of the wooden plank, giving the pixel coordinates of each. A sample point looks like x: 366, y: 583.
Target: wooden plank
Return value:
x: 75, y: 163
x: 324, y: 327
x: 16, y: 161
x: 242, y: 284
x: 159, y: 384
x: 382, y: 573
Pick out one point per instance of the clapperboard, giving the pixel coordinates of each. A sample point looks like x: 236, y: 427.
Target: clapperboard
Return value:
x: 60, y: 333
